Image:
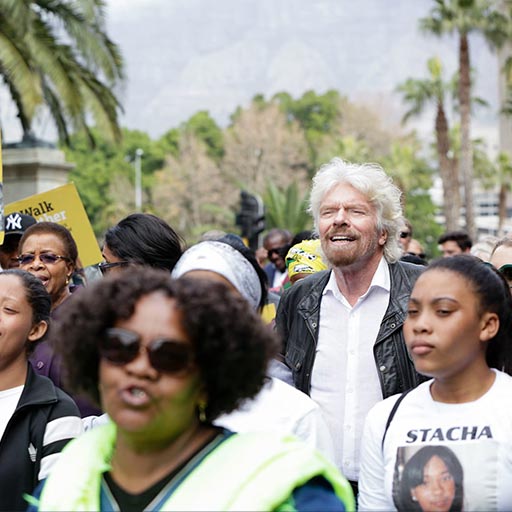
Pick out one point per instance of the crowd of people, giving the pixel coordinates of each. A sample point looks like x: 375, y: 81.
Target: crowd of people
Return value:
x: 334, y: 369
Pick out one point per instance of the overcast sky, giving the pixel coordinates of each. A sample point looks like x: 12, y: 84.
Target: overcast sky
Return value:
x: 188, y: 55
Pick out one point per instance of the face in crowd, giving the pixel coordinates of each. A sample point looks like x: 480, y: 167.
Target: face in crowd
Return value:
x: 9, y: 252
x: 437, y: 491
x: 51, y: 257
x: 277, y: 247
x: 146, y: 394
x: 444, y: 330
x: 24, y: 313
x: 348, y: 229
x: 450, y: 248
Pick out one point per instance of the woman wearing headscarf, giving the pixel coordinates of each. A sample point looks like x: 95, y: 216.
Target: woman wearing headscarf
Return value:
x: 279, y: 406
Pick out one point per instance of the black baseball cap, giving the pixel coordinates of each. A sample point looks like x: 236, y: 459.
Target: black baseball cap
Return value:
x: 16, y: 223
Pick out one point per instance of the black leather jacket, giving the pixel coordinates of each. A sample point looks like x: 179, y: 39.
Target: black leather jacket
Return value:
x: 298, y: 319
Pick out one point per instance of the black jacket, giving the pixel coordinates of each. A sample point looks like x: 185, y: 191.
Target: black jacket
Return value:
x: 297, y: 323
x: 23, y: 446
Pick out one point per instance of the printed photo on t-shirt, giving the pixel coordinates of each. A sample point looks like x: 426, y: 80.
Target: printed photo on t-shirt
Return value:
x: 446, y: 478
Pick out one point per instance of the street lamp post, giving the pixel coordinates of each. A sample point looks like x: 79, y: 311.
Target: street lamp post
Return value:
x: 138, y: 179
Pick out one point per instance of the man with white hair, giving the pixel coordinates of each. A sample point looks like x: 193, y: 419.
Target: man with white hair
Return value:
x: 342, y: 328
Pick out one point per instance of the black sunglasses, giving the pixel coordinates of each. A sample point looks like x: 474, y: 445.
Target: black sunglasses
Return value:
x: 405, y: 234
x: 120, y: 347
x: 280, y: 251
x: 48, y: 258
x: 105, y: 267
x: 421, y: 255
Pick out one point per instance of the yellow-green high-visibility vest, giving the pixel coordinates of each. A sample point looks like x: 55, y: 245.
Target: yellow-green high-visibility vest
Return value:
x: 251, y: 471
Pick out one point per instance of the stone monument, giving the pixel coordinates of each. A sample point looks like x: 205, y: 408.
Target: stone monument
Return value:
x: 32, y: 166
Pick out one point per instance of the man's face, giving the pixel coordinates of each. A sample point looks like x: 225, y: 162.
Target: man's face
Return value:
x: 450, y: 248
x: 9, y: 252
x: 277, y: 247
x: 347, y: 227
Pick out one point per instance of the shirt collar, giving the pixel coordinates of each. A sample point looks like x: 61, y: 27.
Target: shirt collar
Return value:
x: 381, y: 279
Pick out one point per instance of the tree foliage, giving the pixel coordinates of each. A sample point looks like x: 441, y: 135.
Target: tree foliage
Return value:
x: 190, y: 192
x: 193, y: 174
x: 57, y: 54
x: 317, y: 115
x: 207, y: 130
x: 286, y: 207
x: 418, y: 94
x: 261, y: 145
x: 463, y: 17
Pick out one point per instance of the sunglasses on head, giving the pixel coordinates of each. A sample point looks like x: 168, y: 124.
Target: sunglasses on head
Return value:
x: 48, y: 258
x: 120, y: 347
x: 405, y: 234
x: 105, y: 267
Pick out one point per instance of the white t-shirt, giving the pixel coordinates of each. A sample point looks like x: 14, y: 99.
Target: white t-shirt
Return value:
x: 281, y: 408
x: 478, y: 436
x: 278, y: 407
x: 279, y: 278
x: 8, y: 401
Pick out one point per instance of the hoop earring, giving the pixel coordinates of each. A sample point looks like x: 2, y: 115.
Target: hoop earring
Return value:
x: 201, y: 407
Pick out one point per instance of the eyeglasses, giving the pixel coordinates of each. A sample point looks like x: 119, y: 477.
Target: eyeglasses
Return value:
x: 421, y: 255
x: 405, y: 234
x: 120, y: 347
x: 48, y: 258
x: 506, y: 270
x: 280, y: 251
x: 105, y: 267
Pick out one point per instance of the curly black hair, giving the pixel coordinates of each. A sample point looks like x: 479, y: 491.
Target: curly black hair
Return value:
x: 232, y: 345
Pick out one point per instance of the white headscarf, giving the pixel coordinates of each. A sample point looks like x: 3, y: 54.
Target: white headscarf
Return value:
x: 224, y: 260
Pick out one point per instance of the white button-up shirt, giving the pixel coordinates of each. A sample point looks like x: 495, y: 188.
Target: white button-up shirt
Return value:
x: 344, y: 380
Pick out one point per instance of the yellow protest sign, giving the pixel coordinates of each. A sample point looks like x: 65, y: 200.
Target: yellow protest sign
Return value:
x: 1, y: 195
x: 64, y: 206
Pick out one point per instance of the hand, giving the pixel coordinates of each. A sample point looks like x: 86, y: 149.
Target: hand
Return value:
x: 261, y: 255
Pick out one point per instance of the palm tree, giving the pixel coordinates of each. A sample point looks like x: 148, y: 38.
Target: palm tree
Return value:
x: 495, y: 175
x: 286, y: 207
x: 463, y: 17
x: 418, y: 94
x: 57, y: 54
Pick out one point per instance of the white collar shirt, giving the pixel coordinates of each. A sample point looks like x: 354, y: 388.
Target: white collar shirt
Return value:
x: 344, y: 380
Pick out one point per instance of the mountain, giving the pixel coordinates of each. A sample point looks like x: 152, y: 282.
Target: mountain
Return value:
x: 188, y: 55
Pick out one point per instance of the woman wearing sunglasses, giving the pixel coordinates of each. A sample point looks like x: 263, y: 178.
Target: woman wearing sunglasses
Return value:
x: 165, y: 358
x: 140, y: 239
x: 49, y: 252
x: 36, y: 418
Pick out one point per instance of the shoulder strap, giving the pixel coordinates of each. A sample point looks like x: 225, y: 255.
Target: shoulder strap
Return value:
x: 392, y: 414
